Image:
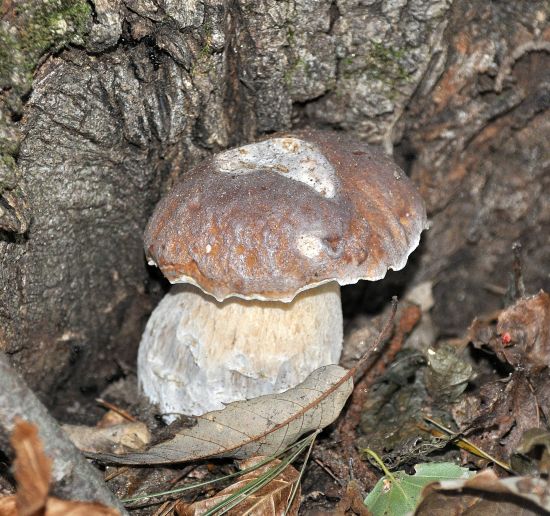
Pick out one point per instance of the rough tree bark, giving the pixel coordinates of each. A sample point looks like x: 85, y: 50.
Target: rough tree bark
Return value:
x: 107, y: 102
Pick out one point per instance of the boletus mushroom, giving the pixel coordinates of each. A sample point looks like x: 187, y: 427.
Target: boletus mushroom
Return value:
x: 262, y: 237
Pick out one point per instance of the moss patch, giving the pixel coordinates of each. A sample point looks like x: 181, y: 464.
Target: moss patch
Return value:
x: 29, y: 29
x: 384, y: 63
x: 299, y: 66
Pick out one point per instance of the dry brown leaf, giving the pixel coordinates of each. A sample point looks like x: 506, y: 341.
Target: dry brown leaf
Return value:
x: 112, y: 418
x: 123, y: 437
x: 499, y: 412
x: 33, y: 475
x: 524, y: 331
x: 7, y: 506
x: 261, y: 426
x: 532, y: 456
x: 57, y: 507
x: 114, y: 432
x: 522, y: 334
x: 32, y: 468
x: 485, y: 495
x: 352, y: 502
x: 270, y: 500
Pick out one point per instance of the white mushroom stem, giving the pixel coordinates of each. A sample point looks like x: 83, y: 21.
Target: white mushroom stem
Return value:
x: 197, y: 354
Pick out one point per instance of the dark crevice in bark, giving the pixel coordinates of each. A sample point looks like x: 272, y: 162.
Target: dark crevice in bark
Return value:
x: 334, y: 13
x: 239, y: 85
x: 405, y: 154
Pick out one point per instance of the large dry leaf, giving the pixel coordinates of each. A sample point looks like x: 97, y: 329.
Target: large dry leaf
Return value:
x: 261, y: 426
x: 500, y: 411
x: 270, y: 500
x: 522, y: 334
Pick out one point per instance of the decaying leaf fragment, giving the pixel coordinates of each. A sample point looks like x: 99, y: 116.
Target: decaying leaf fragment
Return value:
x: 112, y: 434
x: 57, y: 507
x: 485, y: 495
x: 532, y: 456
x: 33, y: 474
x: 499, y: 412
x: 522, y: 335
x: 352, y: 501
x: 447, y: 374
x: 271, y: 500
x: 260, y: 426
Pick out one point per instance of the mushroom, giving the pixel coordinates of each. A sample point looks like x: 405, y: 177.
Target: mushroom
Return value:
x: 262, y: 237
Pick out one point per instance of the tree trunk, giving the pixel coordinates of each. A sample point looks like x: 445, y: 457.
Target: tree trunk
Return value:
x: 126, y: 98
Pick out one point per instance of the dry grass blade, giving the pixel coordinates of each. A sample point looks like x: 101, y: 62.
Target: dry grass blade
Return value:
x: 295, y: 449
x: 270, y: 500
x: 467, y: 445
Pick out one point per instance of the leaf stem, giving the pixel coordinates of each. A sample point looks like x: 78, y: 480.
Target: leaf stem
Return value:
x: 379, y: 461
x: 389, y: 475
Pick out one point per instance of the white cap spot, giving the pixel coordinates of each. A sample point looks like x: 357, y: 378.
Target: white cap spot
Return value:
x: 208, y: 248
x: 291, y: 157
x: 309, y: 245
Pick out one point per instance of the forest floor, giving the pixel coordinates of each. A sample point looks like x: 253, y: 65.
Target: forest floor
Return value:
x: 469, y: 416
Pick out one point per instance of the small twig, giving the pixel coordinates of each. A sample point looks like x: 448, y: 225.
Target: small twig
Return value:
x: 495, y: 289
x: 116, y: 473
x: 183, y: 474
x: 166, y: 508
x: 409, y: 318
x: 358, y: 370
x: 468, y: 445
x: 350, y: 466
x: 73, y: 477
x: 517, y: 268
x: 328, y: 471
x: 118, y: 410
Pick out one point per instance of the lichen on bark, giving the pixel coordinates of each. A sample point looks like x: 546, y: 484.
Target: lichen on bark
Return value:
x: 28, y: 31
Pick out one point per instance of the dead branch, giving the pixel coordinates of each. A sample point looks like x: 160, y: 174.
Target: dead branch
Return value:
x: 73, y: 477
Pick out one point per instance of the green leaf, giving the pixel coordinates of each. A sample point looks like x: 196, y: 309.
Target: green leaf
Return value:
x: 399, y: 495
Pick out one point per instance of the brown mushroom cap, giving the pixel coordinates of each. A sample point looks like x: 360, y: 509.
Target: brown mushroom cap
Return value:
x: 276, y: 217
